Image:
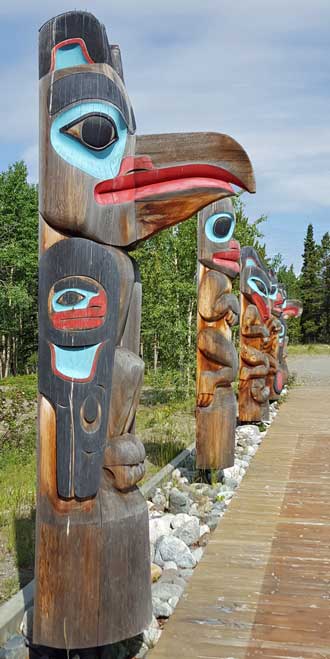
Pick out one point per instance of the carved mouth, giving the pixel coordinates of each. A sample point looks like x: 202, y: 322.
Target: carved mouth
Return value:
x: 147, y: 185
x: 229, y: 258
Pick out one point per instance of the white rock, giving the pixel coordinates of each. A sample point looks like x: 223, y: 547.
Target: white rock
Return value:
x: 180, y: 520
x: 204, y: 529
x: 163, y: 590
x: 173, y: 602
x: 161, y: 609
x: 152, y: 634
x: 188, y: 532
x: 197, y: 554
x: 176, y: 474
x: 159, y: 526
x: 171, y: 548
x: 170, y: 565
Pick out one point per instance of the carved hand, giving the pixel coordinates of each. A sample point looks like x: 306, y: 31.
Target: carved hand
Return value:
x: 124, y: 461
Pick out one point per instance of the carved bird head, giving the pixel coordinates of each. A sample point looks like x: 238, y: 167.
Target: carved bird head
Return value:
x: 97, y: 178
x: 255, y: 282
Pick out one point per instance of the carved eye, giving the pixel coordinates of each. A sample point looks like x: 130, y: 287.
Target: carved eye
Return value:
x: 95, y: 130
x: 219, y: 228
x: 70, y: 298
x: 258, y: 286
x: 273, y: 292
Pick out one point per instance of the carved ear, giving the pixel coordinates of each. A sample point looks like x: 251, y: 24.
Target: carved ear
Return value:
x: 116, y: 60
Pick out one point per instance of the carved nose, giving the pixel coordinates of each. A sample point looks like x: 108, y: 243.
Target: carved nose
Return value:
x: 234, y: 244
x: 131, y: 164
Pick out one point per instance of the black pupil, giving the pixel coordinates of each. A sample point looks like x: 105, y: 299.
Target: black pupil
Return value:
x: 70, y: 298
x: 222, y: 226
x: 98, y: 132
x: 261, y: 287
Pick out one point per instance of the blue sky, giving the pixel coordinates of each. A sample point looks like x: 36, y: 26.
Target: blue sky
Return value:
x: 257, y: 70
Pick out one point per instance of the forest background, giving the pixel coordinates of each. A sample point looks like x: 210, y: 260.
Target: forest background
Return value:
x: 168, y: 270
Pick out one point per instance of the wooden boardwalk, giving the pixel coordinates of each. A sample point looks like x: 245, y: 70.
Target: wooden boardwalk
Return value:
x: 262, y: 589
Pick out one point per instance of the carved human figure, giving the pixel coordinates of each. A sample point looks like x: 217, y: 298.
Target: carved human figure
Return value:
x: 287, y: 308
x: 272, y: 345
x: 217, y: 312
x: 256, y: 288
x: 102, y: 190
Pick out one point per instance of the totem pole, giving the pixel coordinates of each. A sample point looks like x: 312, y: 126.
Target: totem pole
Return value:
x: 272, y: 345
x: 256, y: 287
x: 217, y: 312
x: 287, y: 309
x: 102, y: 191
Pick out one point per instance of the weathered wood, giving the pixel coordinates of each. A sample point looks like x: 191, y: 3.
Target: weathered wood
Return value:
x: 101, y: 189
x: 256, y: 288
x: 217, y: 312
x: 287, y: 309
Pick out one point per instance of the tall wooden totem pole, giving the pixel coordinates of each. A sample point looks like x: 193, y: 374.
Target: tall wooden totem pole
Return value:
x: 287, y: 309
x: 102, y: 190
x: 272, y: 345
x: 217, y: 312
x: 256, y: 289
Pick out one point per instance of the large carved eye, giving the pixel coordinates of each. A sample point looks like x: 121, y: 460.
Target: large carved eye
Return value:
x: 219, y: 228
x: 95, y: 130
x: 70, y: 298
x: 258, y: 286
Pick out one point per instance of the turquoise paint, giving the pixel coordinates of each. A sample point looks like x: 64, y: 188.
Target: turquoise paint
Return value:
x: 250, y: 263
x: 103, y: 164
x: 83, y: 304
x: 69, y: 55
x: 210, y: 222
x: 75, y: 363
x: 273, y: 296
x: 254, y: 286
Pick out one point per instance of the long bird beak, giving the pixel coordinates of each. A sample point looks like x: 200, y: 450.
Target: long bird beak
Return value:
x: 173, y: 176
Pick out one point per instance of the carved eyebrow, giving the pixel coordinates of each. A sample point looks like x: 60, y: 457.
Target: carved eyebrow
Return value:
x: 89, y: 86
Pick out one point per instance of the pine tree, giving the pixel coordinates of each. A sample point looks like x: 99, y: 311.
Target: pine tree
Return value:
x: 311, y: 290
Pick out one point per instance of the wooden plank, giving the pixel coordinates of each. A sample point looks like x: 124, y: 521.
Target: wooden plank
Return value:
x: 262, y: 586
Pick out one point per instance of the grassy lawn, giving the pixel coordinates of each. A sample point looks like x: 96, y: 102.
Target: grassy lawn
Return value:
x: 165, y: 424
x: 309, y: 349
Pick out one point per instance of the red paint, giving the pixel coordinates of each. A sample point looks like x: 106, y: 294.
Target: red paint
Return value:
x: 262, y: 306
x: 68, y: 42
x: 229, y: 258
x: 278, y: 301
x: 291, y: 311
x: 81, y: 319
x: 278, y: 384
x: 66, y: 377
x: 139, y: 185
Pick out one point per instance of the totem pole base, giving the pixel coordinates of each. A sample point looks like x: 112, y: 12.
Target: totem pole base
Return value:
x: 92, y: 572
x: 215, y: 431
x: 250, y: 410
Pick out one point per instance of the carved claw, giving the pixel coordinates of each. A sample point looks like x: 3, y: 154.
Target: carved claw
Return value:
x: 124, y: 461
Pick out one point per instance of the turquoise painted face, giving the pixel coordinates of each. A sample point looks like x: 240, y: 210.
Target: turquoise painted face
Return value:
x: 92, y: 137
x: 219, y: 228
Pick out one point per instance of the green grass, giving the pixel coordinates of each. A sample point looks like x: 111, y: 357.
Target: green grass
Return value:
x: 165, y: 425
x: 308, y: 349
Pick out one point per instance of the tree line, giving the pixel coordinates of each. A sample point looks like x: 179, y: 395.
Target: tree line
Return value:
x: 168, y: 270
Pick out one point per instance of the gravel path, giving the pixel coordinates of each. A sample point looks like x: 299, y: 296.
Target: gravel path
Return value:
x: 311, y: 369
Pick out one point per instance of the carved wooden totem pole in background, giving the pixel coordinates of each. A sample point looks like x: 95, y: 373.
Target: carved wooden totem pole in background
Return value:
x: 102, y: 190
x: 272, y: 345
x: 217, y: 312
x: 287, y: 309
x: 256, y: 288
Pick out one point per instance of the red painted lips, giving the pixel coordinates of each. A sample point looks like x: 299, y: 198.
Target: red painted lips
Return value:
x: 132, y: 184
x: 229, y: 258
x: 82, y: 319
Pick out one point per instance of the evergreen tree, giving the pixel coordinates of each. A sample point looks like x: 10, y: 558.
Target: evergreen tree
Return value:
x: 18, y: 270
x: 311, y: 291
